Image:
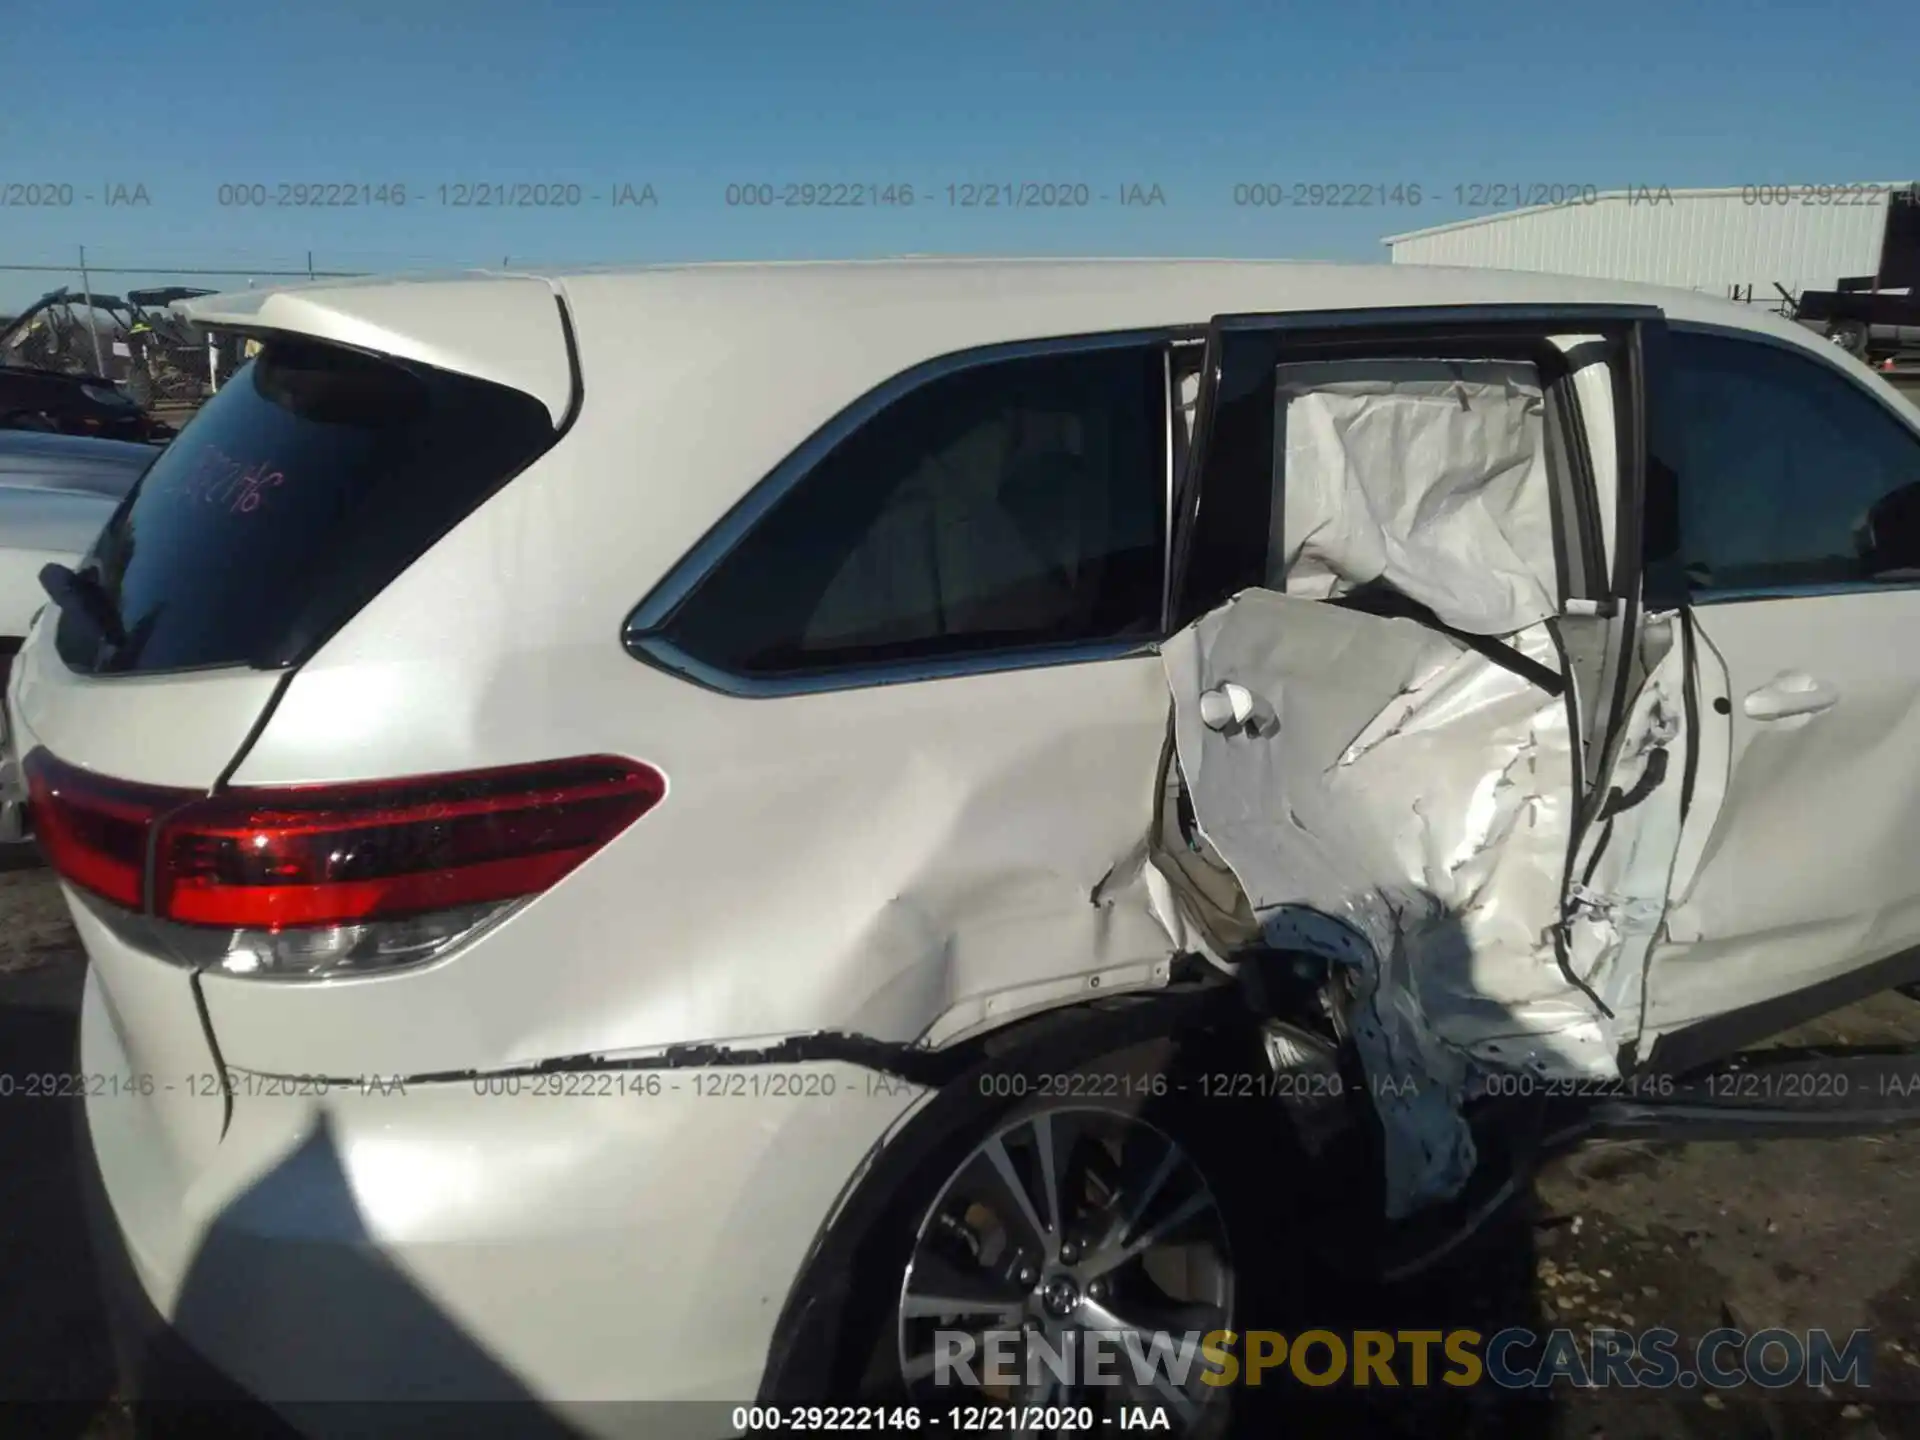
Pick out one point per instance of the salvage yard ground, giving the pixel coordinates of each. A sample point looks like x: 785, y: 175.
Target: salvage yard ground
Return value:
x: 1822, y: 1233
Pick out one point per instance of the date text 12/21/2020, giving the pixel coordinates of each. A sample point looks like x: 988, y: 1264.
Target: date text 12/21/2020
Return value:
x: 959, y: 1419
x: 966, y: 195
x: 716, y: 1083
x: 457, y: 195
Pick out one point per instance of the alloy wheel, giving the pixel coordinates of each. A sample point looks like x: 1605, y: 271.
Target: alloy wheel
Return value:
x: 1062, y: 1223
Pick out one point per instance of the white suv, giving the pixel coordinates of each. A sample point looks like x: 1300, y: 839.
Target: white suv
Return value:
x: 702, y: 833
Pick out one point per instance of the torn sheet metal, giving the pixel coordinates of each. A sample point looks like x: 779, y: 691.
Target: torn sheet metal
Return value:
x: 1469, y: 776
x: 1622, y: 877
x: 1404, y: 806
x: 1317, y: 875
x: 1429, y: 475
x: 1399, y: 801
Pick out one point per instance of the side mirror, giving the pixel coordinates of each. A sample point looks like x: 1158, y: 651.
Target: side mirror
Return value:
x: 1888, y: 539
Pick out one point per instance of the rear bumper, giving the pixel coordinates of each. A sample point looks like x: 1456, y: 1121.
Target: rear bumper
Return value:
x: 541, y: 1255
x: 163, y: 1376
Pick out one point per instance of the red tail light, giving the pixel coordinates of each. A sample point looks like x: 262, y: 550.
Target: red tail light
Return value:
x: 292, y: 857
x: 94, y: 830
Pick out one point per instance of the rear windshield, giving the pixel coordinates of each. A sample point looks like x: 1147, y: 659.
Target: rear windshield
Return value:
x: 312, y: 479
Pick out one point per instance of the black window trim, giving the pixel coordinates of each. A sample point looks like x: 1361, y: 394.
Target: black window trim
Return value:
x: 1195, y: 342
x: 1169, y: 402
x: 1746, y: 594
x: 643, y: 634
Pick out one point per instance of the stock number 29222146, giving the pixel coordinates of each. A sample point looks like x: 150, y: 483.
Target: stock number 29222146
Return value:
x: 1076, y: 1085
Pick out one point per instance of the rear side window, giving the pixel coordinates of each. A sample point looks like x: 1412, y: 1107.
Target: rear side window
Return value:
x: 312, y: 479
x: 1789, y: 473
x: 1013, y: 504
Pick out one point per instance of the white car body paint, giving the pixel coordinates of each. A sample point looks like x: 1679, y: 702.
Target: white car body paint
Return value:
x: 1752, y: 916
x: 942, y: 853
x: 912, y: 862
x: 466, y: 1213
x: 504, y: 328
x: 168, y: 730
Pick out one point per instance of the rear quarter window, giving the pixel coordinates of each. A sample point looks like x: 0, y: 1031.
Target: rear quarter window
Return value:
x: 1008, y: 505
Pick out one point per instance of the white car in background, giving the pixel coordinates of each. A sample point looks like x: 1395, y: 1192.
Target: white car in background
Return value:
x: 56, y: 491
x: 670, y: 834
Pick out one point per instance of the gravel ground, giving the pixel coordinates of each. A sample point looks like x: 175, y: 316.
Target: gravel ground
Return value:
x: 1811, y: 1233
x: 1801, y: 1235
x: 51, y: 1334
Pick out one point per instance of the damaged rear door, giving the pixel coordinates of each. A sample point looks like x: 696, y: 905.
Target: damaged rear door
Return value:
x: 1406, y: 690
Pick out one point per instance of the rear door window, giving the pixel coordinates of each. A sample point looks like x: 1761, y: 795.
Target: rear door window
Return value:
x: 303, y: 487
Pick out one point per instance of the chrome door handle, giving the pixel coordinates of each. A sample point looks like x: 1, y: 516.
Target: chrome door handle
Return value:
x: 1235, y: 710
x: 1230, y: 704
x: 1790, y: 694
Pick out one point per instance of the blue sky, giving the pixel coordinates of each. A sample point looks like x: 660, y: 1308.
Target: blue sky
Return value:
x: 694, y: 95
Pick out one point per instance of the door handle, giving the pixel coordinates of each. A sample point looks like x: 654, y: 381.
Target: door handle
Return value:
x: 1235, y: 709
x: 1230, y: 704
x: 1790, y: 694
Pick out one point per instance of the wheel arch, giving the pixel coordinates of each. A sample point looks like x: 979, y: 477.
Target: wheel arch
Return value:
x: 805, y: 1356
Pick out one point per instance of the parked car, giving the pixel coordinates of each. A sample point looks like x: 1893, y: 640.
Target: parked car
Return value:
x: 56, y: 492
x: 714, y: 832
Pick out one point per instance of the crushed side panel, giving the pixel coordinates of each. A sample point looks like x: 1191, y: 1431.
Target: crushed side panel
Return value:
x: 1397, y: 791
x: 1317, y: 876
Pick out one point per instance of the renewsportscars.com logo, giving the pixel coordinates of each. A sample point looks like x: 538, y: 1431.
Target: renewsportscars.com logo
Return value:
x: 1513, y: 1359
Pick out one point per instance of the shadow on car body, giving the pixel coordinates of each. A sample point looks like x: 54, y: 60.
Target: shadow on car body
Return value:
x: 382, y: 1328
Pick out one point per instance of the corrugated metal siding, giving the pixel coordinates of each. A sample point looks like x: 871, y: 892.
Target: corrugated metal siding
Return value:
x: 1708, y: 240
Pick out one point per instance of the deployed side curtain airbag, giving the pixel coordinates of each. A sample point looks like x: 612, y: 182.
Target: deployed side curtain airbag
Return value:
x: 1426, y: 475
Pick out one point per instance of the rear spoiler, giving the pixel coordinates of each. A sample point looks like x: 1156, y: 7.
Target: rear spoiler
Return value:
x: 509, y: 329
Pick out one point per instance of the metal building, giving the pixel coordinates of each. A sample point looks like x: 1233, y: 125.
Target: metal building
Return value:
x: 1741, y: 241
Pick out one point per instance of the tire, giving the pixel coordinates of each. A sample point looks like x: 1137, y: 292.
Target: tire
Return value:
x: 1228, y: 1162
x: 1850, y: 335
